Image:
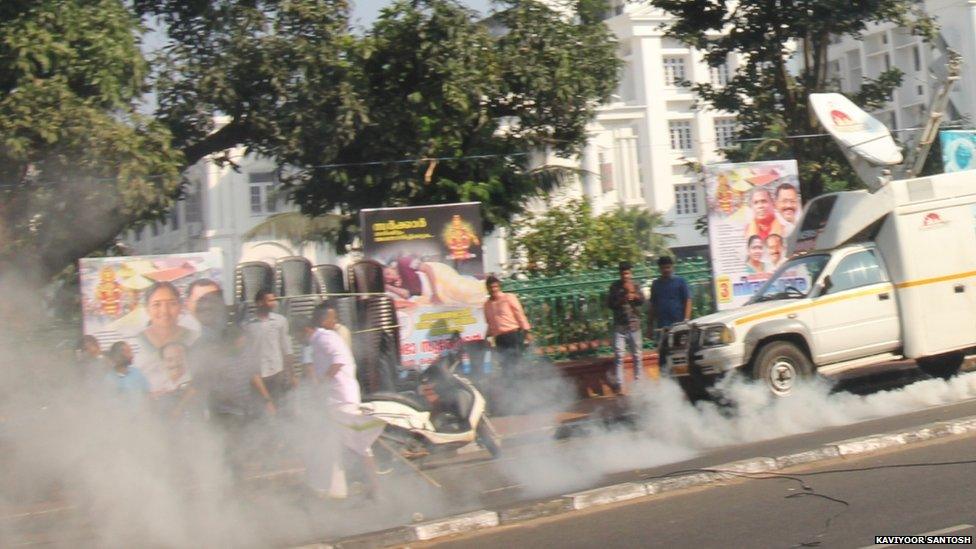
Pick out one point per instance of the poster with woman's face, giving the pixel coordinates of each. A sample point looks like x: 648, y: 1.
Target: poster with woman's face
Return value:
x: 752, y: 209
x: 149, y: 303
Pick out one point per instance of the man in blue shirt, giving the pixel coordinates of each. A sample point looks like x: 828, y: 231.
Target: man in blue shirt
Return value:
x: 125, y: 379
x: 670, y: 302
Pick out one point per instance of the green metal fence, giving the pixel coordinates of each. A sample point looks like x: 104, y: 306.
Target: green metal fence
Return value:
x: 569, y: 313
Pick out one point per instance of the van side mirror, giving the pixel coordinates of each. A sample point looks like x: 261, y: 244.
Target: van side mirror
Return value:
x: 827, y: 284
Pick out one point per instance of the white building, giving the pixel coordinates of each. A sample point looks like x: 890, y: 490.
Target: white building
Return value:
x: 221, y: 206
x: 885, y: 46
x: 643, y: 140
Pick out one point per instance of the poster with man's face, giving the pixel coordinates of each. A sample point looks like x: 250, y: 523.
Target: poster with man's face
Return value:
x: 149, y: 303
x: 432, y: 270
x: 752, y: 208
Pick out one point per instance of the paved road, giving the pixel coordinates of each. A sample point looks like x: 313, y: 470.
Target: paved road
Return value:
x: 861, y: 499
x: 666, y: 439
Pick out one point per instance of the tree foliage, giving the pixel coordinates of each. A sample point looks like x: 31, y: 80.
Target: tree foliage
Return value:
x: 345, y: 116
x: 770, y: 101
x: 570, y: 238
x: 478, y: 96
x: 77, y: 161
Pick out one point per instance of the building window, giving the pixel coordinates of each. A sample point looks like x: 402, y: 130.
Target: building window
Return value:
x: 138, y: 234
x: 174, y: 218
x: 724, y: 132
x: 680, y: 131
x: 193, y: 205
x: 674, y: 71
x: 719, y: 75
x: 887, y: 62
x: 606, y: 174
x: 917, y: 58
x: 920, y: 89
x: 155, y: 228
x: 686, y: 199
x: 264, y: 195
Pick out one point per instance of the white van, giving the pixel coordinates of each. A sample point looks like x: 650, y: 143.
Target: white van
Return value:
x: 874, y: 277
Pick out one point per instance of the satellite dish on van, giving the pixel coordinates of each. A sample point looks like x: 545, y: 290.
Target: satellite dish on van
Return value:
x: 866, y: 141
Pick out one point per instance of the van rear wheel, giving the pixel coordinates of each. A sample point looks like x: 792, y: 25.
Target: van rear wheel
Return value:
x: 942, y: 366
x: 780, y: 365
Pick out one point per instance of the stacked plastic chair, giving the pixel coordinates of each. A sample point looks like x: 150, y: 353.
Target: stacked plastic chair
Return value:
x: 377, y: 340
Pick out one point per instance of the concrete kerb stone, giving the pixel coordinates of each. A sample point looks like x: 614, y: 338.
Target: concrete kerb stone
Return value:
x: 754, y: 465
x: 671, y: 484
x: 964, y: 425
x: 809, y: 456
x: 384, y: 538
x: 606, y: 495
x: 865, y: 445
x: 468, y: 522
x: 521, y: 513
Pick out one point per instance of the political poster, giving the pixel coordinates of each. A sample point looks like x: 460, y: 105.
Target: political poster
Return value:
x: 432, y: 270
x: 148, y: 302
x: 958, y: 150
x: 752, y: 208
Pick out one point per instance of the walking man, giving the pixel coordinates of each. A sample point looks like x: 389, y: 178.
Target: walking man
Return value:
x: 670, y: 303
x: 334, y: 370
x: 625, y: 300
x: 507, y: 324
x: 270, y: 345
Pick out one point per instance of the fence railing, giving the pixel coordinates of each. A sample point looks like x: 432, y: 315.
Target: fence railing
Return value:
x: 569, y: 313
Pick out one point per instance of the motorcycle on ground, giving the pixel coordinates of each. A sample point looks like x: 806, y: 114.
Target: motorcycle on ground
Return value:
x: 416, y: 429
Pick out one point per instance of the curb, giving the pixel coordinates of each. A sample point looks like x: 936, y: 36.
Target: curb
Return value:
x: 608, y: 495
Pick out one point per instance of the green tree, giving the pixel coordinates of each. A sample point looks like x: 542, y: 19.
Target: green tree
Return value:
x: 570, y: 238
x: 290, y: 82
x: 476, y: 95
x: 768, y: 99
x: 77, y: 161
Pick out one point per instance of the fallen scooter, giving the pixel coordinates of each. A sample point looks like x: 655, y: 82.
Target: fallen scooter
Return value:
x: 416, y: 430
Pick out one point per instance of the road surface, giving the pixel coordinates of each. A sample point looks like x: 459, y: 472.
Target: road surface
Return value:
x: 924, y: 489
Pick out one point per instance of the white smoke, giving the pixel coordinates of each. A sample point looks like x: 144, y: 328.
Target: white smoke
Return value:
x: 667, y: 428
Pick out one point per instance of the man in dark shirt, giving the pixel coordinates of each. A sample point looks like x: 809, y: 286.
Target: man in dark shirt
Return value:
x: 625, y: 300
x: 670, y: 302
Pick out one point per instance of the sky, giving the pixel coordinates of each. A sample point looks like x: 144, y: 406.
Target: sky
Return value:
x: 364, y: 12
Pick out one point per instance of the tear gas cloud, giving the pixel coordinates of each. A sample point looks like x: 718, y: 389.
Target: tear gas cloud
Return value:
x: 132, y: 477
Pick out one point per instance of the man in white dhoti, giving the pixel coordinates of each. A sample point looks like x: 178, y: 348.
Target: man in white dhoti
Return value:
x: 334, y: 370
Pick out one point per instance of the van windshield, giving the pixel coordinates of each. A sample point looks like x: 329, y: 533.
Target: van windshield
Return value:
x: 793, y: 280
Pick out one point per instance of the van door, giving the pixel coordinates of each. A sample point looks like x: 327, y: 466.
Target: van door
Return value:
x: 857, y: 316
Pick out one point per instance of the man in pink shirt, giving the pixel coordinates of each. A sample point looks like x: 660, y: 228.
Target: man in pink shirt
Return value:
x: 507, y: 324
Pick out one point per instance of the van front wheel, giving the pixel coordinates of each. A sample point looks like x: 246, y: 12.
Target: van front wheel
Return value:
x: 780, y: 365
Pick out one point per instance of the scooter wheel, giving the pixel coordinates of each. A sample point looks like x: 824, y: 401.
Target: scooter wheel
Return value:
x: 488, y: 438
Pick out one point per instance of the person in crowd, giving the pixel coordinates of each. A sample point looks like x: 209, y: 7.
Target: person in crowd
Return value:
x: 90, y: 358
x: 227, y: 380
x: 764, y: 222
x: 755, y: 250
x: 774, y: 251
x: 123, y: 377
x: 334, y: 370
x: 164, y: 305
x: 670, y: 302
x: 176, y: 393
x: 507, y: 326
x: 269, y: 342
x: 787, y: 207
x: 197, y: 289
x: 625, y: 300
